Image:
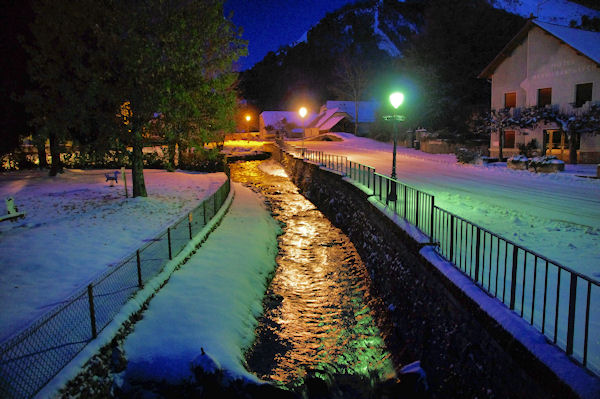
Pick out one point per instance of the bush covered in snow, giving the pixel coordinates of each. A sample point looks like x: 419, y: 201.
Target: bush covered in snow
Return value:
x: 518, y: 162
x: 545, y: 164
x: 464, y: 155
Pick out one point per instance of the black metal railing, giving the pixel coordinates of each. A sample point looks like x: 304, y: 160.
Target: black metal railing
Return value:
x: 31, y: 358
x: 555, y: 299
x: 558, y: 301
x: 414, y: 205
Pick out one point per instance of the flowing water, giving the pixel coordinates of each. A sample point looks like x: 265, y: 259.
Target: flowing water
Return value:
x: 318, y: 330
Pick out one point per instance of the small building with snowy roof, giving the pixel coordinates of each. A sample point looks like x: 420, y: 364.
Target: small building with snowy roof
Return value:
x: 367, y: 112
x: 282, y: 124
x: 546, y: 65
x: 327, y: 121
x: 334, y: 116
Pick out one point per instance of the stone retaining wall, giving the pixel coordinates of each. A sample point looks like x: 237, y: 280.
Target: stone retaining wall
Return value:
x: 465, y: 353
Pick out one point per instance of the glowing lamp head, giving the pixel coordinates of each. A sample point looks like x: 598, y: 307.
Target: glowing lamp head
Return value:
x: 396, y: 99
x: 302, y: 112
x: 248, y: 118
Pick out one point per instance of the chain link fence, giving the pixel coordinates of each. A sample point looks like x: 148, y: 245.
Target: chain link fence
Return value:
x: 31, y: 358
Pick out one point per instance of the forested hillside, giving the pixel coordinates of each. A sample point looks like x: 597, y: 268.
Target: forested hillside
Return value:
x: 432, y: 49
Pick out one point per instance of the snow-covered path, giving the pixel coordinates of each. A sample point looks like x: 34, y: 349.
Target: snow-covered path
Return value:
x: 557, y: 215
x: 212, y: 302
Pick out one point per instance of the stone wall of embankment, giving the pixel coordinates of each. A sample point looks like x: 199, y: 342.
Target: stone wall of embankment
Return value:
x: 465, y: 352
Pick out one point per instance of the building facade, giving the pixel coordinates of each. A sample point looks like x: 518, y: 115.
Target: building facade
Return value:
x: 546, y: 65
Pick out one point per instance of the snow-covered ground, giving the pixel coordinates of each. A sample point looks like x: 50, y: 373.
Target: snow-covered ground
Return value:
x: 76, y: 227
x: 212, y: 303
x: 556, y: 215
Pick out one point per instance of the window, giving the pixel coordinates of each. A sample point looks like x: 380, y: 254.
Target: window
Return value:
x: 583, y: 93
x: 510, y: 100
x: 509, y: 139
x: 544, y: 97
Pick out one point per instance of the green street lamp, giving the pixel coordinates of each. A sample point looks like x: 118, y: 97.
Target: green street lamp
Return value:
x: 396, y: 99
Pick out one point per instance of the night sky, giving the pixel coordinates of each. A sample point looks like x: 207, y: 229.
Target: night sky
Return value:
x: 269, y: 24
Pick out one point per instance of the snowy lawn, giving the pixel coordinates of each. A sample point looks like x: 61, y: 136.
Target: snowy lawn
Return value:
x: 77, y: 227
x: 556, y: 215
x: 212, y: 302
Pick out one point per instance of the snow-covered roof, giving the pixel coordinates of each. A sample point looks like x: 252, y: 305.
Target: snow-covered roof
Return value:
x: 328, y: 118
x: 331, y: 122
x: 366, y: 109
x: 274, y: 117
x: 584, y: 42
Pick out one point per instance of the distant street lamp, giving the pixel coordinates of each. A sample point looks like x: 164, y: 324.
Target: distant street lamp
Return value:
x: 396, y: 99
x: 248, y: 117
x: 302, y: 113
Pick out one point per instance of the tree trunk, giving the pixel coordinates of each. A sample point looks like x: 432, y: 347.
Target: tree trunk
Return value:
x: 572, y: 148
x: 41, y: 150
x: 500, y: 143
x: 56, y: 167
x: 137, y: 167
x: 171, y: 151
x: 356, y: 118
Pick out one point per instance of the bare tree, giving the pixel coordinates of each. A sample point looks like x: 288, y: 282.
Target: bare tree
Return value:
x: 351, y: 80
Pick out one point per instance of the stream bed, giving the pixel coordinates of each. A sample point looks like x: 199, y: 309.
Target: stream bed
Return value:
x: 318, y: 335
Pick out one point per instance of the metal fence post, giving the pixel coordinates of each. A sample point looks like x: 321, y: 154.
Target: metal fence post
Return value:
x: 513, y: 280
x: 387, y: 191
x: 477, y: 248
x: 169, y: 239
x: 405, y: 203
x: 452, y: 238
x: 431, y: 221
x: 417, y: 210
x: 204, y: 210
x: 190, y: 224
x: 90, y: 291
x: 571, y: 325
x: 139, y: 268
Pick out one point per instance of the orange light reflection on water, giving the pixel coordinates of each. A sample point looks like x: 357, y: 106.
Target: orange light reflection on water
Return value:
x: 323, y: 321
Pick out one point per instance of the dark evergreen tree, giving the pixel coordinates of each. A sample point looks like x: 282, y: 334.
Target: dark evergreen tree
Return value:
x: 14, y: 31
x: 105, y: 71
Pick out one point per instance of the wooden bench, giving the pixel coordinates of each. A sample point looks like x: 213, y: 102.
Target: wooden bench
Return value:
x: 112, y: 177
x: 12, y: 211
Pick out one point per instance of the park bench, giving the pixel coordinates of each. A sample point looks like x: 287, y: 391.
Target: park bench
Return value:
x: 12, y: 211
x: 112, y: 177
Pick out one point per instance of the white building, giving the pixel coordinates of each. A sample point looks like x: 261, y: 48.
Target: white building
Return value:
x: 546, y: 65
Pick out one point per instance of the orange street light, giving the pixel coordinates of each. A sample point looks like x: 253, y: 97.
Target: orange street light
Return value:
x: 302, y: 111
x: 248, y: 117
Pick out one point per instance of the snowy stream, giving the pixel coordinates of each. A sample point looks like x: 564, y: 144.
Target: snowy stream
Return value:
x: 318, y: 325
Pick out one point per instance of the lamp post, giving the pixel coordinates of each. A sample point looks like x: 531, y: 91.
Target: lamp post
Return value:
x: 396, y: 99
x: 248, y: 117
x: 302, y: 111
